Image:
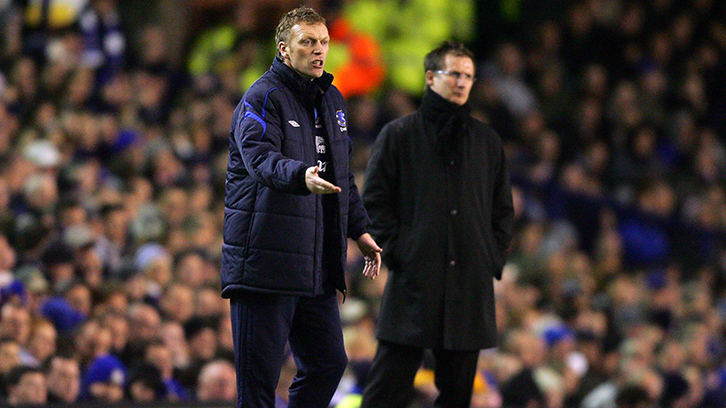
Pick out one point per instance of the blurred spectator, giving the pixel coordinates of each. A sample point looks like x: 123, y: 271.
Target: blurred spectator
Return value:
x: 160, y: 356
x: 201, y: 337
x: 64, y: 380
x: 9, y: 359
x: 217, y: 382
x: 508, y: 78
x: 104, y: 42
x: 104, y: 381
x: 145, y: 384
x: 27, y: 386
x: 42, y: 341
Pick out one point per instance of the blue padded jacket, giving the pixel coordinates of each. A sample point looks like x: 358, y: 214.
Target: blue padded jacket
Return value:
x: 273, y: 225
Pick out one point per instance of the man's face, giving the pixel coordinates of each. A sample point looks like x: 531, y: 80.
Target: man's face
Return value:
x: 64, y: 379
x: 454, y: 81
x: 307, y: 49
x: 31, y: 390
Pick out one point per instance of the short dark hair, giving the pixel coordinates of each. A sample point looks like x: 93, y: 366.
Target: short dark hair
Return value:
x: 302, y: 14
x: 434, y: 60
x: 17, y: 373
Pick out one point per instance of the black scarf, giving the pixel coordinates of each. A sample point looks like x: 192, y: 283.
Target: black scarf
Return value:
x: 450, y: 121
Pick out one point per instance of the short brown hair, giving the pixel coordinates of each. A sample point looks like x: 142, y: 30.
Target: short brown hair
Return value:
x: 434, y: 60
x: 302, y: 14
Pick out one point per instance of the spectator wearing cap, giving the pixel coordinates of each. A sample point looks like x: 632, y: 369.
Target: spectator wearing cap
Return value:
x: 62, y: 314
x: 27, y: 386
x: 64, y: 380
x: 104, y: 380
x: 14, y: 293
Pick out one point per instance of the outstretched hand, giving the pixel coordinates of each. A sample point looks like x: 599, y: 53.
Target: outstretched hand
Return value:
x: 372, y: 255
x: 317, y: 184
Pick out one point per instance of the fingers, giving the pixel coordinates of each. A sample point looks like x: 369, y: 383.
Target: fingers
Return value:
x: 318, y: 185
x: 372, y: 266
x: 324, y: 187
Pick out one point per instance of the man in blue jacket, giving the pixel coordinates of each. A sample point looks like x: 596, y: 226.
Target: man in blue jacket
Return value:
x: 290, y: 205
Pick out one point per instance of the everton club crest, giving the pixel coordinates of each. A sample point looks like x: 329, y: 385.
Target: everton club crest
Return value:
x: 341, y: 120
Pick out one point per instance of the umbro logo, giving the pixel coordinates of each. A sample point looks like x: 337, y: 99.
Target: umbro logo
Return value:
x: 293, y: 123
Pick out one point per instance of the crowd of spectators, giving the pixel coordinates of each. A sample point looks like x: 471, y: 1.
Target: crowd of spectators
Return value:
x: 112, y: 169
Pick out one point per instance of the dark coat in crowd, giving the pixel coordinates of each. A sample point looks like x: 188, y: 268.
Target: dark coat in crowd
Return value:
x: 438, y: 193
x: 273, y: 225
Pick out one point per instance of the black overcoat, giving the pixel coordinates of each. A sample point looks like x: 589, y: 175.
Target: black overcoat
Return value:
x: 444, y: 222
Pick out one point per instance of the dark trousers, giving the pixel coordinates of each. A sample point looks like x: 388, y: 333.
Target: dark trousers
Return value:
x: 390, y: 381
x: 262, y: 324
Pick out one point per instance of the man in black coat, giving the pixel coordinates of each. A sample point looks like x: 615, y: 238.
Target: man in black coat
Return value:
x: 438, y: 193
x: 290, y: 205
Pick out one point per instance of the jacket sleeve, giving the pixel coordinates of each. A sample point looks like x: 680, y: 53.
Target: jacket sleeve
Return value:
x: 358, y: 221
x: 379, y: 195
x: 259, y: 134
x: 502, y: 212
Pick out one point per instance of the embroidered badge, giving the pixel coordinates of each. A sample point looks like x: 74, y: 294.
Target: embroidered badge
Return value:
x: 341, y: 120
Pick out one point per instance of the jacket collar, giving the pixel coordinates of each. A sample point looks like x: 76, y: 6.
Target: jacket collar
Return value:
x: 302, y: 86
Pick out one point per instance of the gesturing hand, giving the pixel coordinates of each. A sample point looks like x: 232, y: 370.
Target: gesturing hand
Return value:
x: 317, y: 184
x: 372, y: 254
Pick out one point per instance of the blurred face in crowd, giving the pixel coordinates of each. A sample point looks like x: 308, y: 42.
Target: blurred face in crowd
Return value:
x: 64, y: 379
x: 144, y: 321
x: 42, y: 342
x: 15, y: 323
x: 178, y: 303
x: 107, y: 392
x: 204, y: 344
x: 30, y: 390
x: 93, y: 340
x: 217, y: 382
x: 454, y: 81
x: 9, y: 356
x: 159, y: 355
x: 306, y: 50
x: 172, y: 335
x: 142, y: 392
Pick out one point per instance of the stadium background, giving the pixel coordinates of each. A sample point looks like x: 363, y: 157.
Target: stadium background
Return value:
x: 114, y: 117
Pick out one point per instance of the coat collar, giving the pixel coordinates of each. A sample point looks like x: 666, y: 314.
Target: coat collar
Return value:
x: 436, y: 108
x: 449, y: 120
x: 302, y: 86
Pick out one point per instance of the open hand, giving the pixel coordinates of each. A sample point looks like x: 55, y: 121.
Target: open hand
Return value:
x: 317, y: 184
x: 372, y: 255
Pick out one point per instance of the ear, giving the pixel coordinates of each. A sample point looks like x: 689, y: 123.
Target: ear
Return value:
x: 429, y: 78
x: 282, y: 48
